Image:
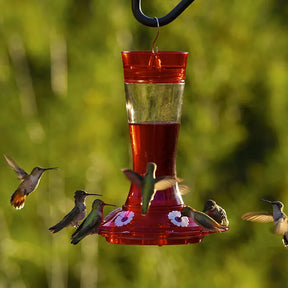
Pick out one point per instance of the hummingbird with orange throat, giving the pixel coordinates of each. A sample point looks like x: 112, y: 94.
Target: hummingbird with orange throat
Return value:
x: 29, y: 182
x: 76, y: 215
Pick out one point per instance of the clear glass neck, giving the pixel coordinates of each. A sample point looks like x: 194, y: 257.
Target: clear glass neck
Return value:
x: 154, y: 102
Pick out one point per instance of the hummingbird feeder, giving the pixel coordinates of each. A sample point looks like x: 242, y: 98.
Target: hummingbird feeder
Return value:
x: 154, y: 86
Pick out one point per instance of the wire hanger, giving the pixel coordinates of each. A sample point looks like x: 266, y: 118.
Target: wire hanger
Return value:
x: 156, y: 37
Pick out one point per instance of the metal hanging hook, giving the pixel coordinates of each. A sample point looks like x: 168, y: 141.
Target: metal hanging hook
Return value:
x: 148, y: 21
x: 156, y: 37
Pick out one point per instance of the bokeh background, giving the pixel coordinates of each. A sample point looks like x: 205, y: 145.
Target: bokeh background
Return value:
x: 62, y: 104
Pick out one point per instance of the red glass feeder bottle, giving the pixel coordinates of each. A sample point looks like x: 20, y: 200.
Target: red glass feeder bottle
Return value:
x: 154, y: 86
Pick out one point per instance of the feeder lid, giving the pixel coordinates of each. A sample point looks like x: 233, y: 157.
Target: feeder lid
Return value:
x: 154, y: 67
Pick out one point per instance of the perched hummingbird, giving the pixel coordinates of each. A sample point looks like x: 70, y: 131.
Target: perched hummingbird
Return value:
x: 201, y: 218
x: 278, y: 216
x: 29, y: 182
x: 216, y: 212
x: 149, y: 184
x: 91, y: 223
x: 76, y: 215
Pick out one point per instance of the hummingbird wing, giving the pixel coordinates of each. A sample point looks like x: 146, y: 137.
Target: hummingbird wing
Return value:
x: 184, y: 189
x: 66, y: 221
x: 164, y: 182
x: 21, y: 174
x: 133, y: 177
x: 90, y: 224
x: 219, y: 215
x: 258, y: 217
x: 223, y: 217
x: 206, y: 221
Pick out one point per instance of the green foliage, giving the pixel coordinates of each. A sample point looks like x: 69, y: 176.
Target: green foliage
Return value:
x: 62, y: 104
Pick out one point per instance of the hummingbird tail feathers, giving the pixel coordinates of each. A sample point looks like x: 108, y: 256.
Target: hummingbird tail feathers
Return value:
x: 146, y: 201
x: 17, y: 200
x: 76, y: 240
x: 83, y: 230
x: 77, y: 236
x: 56, y: 228
x: 145, y: 209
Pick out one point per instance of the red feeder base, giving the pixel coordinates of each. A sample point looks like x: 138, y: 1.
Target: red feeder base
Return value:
x: 162, y: 225
x: 151, y: 229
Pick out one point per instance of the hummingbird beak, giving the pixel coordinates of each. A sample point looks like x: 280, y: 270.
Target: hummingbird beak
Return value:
x: 268, y: 201
x: 52, y: 168
x: 90, y: 194
x: 106, y: 204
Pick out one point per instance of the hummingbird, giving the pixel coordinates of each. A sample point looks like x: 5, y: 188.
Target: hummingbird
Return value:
x: 29, y: 182
x: 149, y: 184
x: 279, y: 218
x: 76, y: 215
x: 91, y: 223
x: 201, y: 219
x: 216, y: 212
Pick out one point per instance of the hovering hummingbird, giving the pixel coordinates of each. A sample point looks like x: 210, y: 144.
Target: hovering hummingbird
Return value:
x: 278, y: 216
x: 29, y: 182
x: 149, y: 184
x: 76, y: 215
x: 91, y: 223
x: 216, y: 212
x: 201, y: 218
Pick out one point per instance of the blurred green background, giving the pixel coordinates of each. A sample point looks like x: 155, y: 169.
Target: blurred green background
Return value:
x: 62, y: 104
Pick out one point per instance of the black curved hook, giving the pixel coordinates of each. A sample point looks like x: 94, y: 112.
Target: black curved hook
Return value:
x: 148, y: 21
